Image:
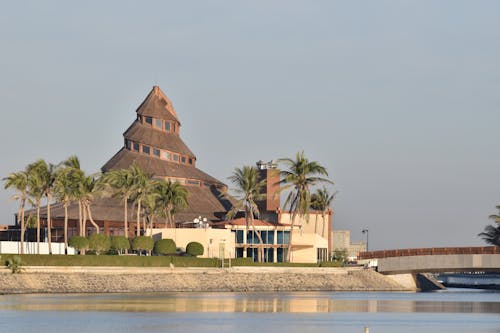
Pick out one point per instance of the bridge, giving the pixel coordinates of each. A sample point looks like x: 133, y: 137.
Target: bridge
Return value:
x: 435, y: 260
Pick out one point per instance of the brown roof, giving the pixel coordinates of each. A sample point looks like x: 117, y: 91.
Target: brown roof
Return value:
x: 156, y: 166
x: 203, y: 201
x: 146, y: 134
x: 157, y: 105
x: 242, y: 221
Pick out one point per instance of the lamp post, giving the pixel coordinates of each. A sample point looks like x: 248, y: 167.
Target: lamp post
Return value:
x: 200, y: 222
x: 365, y: 231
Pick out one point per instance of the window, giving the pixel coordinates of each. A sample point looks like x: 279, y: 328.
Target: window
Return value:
x: 165, y: 155
x: 156, y: 152
x: 136, y: 146
x: 239, y: 236
x: 149, y: 120
x: 159, y: 123
x: 176, y: 158
x: 174, y: 127
x: 183, y: 159
x: 146, y: 150
x: 127, y: 144
x: 192, y: 182
x: 190, y: 161
x: 167, y: 126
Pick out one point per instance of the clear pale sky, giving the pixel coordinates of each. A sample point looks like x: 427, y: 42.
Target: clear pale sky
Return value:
x: 400, y: 100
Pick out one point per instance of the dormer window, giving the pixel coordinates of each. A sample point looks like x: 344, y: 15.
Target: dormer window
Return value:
x: 156, y: 152
x: 146, y: 150
x: 159, y: 123
x: 167, y: 126
x: 149, y: 121
x: 136, y: 146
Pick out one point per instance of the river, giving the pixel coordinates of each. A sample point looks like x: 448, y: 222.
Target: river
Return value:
x: 453, y: 310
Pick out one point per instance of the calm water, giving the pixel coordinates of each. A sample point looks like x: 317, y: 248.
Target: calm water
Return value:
x: 448, y: 311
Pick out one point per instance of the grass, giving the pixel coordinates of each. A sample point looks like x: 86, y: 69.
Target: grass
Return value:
x: 144, y: 261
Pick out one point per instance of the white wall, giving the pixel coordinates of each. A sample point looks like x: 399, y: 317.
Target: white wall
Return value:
x: 31, y: 248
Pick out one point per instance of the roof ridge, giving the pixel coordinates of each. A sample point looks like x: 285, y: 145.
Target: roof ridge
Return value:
x: 158, y: 94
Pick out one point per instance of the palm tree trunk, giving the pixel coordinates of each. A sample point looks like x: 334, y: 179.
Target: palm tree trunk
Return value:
x: 80, y: 217
x: 324, y: 222
x: 23, y: 226
x: 38, y: 226
x: 289, y: 250
x: 84, y: 221
x: 316, y: 224
x: 125, y: 219
x: 139, y: 217
x: 65, y: 227
x: 49, y: 224
x: 260, y: 250
x: 144, y: 223
x: 91, y: 219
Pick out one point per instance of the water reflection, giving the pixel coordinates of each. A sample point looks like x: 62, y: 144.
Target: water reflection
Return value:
x: 239, y: 302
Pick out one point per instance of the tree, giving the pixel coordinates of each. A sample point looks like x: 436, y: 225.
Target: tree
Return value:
x: 79, y: 243
x: 249, y: 189
x: 89, y: 189
x: 141, y: 186
x: 120, y: 244
x: 36, y: 192
x: 142, y: 243
x: 122, y: 185
x: 194, y: 249
x: 165, y: 246
x: 19, y: 182
x: 491, y: 233
x: 173, y: 197
x: 66, y: 188
x: 298, y: 177
x: 99, y: 243
x: 321, y: 201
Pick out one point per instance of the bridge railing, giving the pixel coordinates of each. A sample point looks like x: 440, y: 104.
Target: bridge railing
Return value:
x: 429, y: 251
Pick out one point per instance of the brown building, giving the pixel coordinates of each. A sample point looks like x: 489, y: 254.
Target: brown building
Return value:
x: 152, y: 142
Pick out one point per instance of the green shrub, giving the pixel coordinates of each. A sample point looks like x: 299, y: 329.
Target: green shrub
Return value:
x: 194, y: 249
x: 80, y: 243
x: 99, y: 243
x: 120, y: 243
x: 15, y: 263
x: 165, y: 246
x: 142, y: 243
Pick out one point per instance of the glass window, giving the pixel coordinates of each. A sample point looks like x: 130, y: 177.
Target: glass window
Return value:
x: 159, y: 123
x: 167, y: 126
x: 149, y: 120
x: 156, y: 152
x: 270, y: 237
x: 136, y: 146
x: 239, y: 253
x: 190, y: 161
x: 239, y: 236
x: 165, y: 155
x: 127, y: 144
x: 286, y: 237
x: 176, y: 158
x: 146, y: 150
x: 174, y: 127
x: 183, y: 159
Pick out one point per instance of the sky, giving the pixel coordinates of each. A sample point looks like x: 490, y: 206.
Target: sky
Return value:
x: 399, y: 100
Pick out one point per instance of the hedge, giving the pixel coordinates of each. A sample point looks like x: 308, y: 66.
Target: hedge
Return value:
x: 194, y: 249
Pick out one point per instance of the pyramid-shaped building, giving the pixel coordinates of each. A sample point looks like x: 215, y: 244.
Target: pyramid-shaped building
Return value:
x: 153, y: 142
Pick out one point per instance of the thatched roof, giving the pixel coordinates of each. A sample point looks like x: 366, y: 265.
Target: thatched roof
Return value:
x: 158, y: 167
x: 157, y: 105
x: 163, y: 140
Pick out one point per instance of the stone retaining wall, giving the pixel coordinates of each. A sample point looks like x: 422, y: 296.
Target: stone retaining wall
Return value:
x: 118, y: 280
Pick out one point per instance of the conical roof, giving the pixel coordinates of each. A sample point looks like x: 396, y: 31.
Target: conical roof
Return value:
x: 157, y: 104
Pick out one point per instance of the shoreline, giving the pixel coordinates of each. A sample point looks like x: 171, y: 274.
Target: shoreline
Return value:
x: 236, y: 279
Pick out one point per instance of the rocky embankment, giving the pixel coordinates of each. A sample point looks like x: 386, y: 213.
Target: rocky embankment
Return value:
x: 237, y: 279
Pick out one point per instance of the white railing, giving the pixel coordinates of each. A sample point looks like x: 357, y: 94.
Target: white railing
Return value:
x: 31, y: 248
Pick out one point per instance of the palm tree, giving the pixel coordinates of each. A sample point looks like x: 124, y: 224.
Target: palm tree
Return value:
x: 141, y: 184
x: 66, y: 188
x: 89, y: 189
x: 491, y: 233
x: 299, y: 176
x: 121, y: 183
x: 249, y: 188
x: 36, y: 186
x: 19, y: 181
x: 321, y: 201
x: 173, y: 197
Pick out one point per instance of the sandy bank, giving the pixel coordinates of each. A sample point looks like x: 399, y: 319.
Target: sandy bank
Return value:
x: 125, y: 279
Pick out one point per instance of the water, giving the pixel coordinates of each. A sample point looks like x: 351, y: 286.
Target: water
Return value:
x: 455, y: 310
